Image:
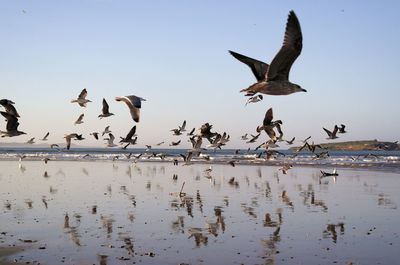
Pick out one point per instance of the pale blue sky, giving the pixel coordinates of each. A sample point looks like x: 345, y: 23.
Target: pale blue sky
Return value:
x: 175, y: 55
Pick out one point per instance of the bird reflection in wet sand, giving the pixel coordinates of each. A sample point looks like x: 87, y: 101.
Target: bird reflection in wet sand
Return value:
x: 102, y: 259
x: 199, y: 236
x: 199, y: 201
x: 248, y: 210
x: 29, y: 203
x: 286, y: 199
x: 179, y: 224
x: 107, y: 223
x: 330, y: 231
x: 44, y: 200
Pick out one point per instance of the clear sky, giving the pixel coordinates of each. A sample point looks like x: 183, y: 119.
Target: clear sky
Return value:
x: 175, y: 55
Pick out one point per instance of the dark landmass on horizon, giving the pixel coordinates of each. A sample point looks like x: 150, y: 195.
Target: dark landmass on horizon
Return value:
x: 364, y: 145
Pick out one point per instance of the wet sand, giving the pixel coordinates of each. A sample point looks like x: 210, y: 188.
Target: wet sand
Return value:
x: 107, y: 212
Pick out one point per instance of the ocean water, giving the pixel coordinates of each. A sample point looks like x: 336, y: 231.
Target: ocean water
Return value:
x: 100, y: 211
x: 386, y: 160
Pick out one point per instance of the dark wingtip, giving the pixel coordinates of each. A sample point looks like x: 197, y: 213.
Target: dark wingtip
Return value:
x: 304, y: 90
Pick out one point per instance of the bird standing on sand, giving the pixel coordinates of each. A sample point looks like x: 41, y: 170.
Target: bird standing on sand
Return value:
x: 81, y: 100
x: 12, y: 125
x: 134, y: 104
x: 273, y: 79
x: 105, y: 112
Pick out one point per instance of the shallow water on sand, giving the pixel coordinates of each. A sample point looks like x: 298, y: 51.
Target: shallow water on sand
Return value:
x: 123, y: 213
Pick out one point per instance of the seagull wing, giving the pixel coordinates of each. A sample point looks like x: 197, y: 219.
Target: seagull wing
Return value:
x: 134, y: 104
x: 268, y: 117
x: 80, y: 117
x: 290, y: 50
x: 258, y: 68
x: 131, y: 133
x: 12, y: 121
x: 105, y: 109
x: 83, y: 94
x: 327, y: 131
x: 47, y: 135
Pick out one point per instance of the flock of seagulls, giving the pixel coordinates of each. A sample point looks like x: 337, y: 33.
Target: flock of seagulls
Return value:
x: 272, y: 79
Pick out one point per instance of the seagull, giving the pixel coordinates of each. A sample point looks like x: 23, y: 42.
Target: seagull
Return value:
x: 205, y: 132
x: 196, y: 144
x: 175, y: 143
x: 254, y: 99
x: 134, y: 104
x: 128, y: 138
x: 273, y: 79
x: 160, y: 143
x: 68, y: 138
x: 21, y: 157
x: 332, y: 134
x: 268, y: 125
x: 191, y: 132
x: 187, y: 158
x: 8, y: 106
x: 95, y: 135
x: 106, y: 130
x: 54, y: 146
x: 244, y: 137
x: 81, y: 100
x: 105, y: 110
x: 253, y: 138
x: 341, y: 128
x: 31, y: 141
x: 12, y: 125
x: 110, y: 141
x: 80, y: 119
x: 291, y: 141
x: 305, y: 140
x: 176, y: 132
x: 285, y: 168
x: 183, y: 127
x: 45, y: 137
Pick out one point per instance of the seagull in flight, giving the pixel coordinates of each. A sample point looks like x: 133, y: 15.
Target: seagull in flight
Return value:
x: 134, y: 104
x: 273, y: 79
x: 80, y: 119
x: 106, y: 130
x: 128, y: 138
x: 254, y: 99
x: 342, y: 128
x: 69, y: 137
x: 12, y: 125
x: 9, y: 107
x: 81, y: 100
x: 45, y: 137
x: 110, y: 140
x: 105, y: 110
x: 332, y: 134
x: 269, y: 125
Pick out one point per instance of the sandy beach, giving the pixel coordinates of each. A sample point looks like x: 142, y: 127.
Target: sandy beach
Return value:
x: 69, y: 212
